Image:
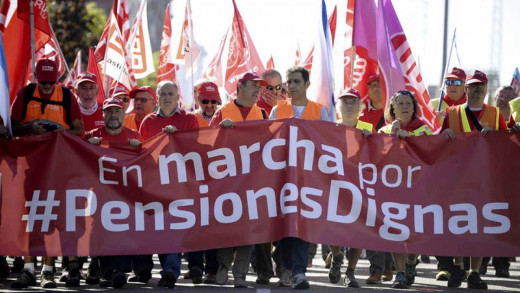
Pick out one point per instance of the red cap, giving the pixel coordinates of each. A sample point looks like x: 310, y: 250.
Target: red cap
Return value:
x: 46, y: 70
x: 117, y: 91
x: 372, y: 78
x: 456, y: 73
x: 476, y: 76
x: 209, y: 90
x: 113, y: 102
x: 86, y: 76
x: 252, y: 76
x: 145, y: 88
x: 349, y: 93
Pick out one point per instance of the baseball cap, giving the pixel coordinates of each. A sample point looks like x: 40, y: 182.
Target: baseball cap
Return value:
x: 372, y: 78
x: 252, y: 76
x: 113, y: 102
x: 46, y: 70
x: 476, y: 76
x: 349, y: 93
x: 456, y: 73
x: 145, y: 88
x: 209, y: 90
x: 86, y: 76
x: 117, y: 91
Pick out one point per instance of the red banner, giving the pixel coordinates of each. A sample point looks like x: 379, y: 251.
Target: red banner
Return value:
x: 259, y: 182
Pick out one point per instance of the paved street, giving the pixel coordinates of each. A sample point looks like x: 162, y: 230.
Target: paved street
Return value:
x: 317, y: 275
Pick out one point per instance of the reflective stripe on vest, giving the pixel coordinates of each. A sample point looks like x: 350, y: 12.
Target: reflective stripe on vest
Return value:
x: 230, y: 111
x: 489, y: 116
x: 312, y: 111
x: 202, y: 121
x: 51, y: 112
x: 419, y: 131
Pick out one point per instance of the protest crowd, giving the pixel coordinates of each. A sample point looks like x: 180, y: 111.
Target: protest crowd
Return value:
x: 131, y: 116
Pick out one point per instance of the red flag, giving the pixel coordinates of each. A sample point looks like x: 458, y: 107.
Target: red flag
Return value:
x: 214, y: 70
x: 166, y: 69
x: 120, y: 8
x: 298, y: 59
x: 242, y: 56
x: 332, y: 23
x: 92, y: 67
x: 76, y: 70
x: 270, y: 63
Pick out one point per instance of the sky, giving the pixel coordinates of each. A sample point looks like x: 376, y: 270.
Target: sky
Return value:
x: 277, y: 26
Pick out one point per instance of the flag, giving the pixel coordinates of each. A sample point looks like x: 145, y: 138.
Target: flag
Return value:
x: 76, y: 70
x: 298, y: 60
x: 120, y: 8
x: 321, y: 90
x: 140, y: 51
x: 4, y: 90
x: 93, y: 68
x: 166, y: 70
x: 515, y: 82
x: 242, y: 56
x: 270, y: 63
x: 332, y: 24
x: 308, y: 61
x: 213, y: 72
x: 184, y: 49
x: 397, y: 64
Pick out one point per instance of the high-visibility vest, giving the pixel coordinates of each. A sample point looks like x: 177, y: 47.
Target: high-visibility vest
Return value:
x: 459, y: 120
x: 201, y: 119
x: 515, y: 109
x: 230, y: 111
x: 364, y: 125
x: 52, y: 109
x: 312, y: 111
x: 130, y: 122
x: 424, y: 129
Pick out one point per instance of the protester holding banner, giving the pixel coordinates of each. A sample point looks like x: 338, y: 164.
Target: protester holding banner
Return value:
x: 504, y: 95
x: 208, y: 99
x: 271, y: 93
x: 145, y: 101
x: 454, y: 94
x: 37, y: 109
x: 87, y: 91
x: 373, y: 112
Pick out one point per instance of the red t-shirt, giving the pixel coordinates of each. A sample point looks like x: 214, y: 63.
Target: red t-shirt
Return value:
x: 93, y: 121
x: 371, y: 115
x: 501, y: 122
x: 154, y: 123
x: 17, y: 107
x: 124, y: 136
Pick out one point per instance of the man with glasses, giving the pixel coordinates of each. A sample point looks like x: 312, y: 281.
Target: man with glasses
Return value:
x: 271, y: 93
x: 87, y: 91
x: 145, y: 101
x: 504, y: 95
x: 121, y: 93
x: 37, y: 109
x: 208, y: 98
x: 454, y: 93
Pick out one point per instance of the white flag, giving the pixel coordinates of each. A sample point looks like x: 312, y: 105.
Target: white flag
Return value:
x: 140, y: 51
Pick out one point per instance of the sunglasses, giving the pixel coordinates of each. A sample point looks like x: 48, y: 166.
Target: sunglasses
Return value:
x: 276, y: 87
x: 205, y: 102
x: 453, y: 82
x: 125, y: 99
x: 46, y: 82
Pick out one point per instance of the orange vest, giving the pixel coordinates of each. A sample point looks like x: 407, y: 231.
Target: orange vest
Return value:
x: 51, y: 112
x: 202, y: 121
x: 312, y: 111
x: 459, y: 122
x: 130, y: 122
x: 230, y: 111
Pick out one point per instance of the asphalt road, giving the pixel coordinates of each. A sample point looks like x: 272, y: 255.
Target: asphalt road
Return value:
x: 317, y: 275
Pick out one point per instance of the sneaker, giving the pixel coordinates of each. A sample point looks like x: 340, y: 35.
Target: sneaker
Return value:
x: 18, y: 265
x: 196, y: 275
x: 335, y: 269
x: 456, y: 277
x: 263, y: 279
x: 209, y: 279
x: 410, y: 274
x: 25, y: 280
x: 374, y: 278
x: 475, y: 282
x: 240, y: 283
x: 47, y: 280
x: 73, y: 275
x: 168, y: 280
x: 285, y: 278
x: 502, y: 272
x: 4, y: 268
x: 141, y: 277
x: 425, y: 258
x: 400, y: 281
x: 222, y: 275
x: 443, y: 276
x: 118, y: 279
x: 388, y: 275
x: 64, y: 275
x: 93, y: 273
x: 300, y: 282
x: 350, y: 279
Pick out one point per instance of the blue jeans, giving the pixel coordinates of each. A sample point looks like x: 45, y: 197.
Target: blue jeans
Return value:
x: 295, y: 255
x: 171, y: 262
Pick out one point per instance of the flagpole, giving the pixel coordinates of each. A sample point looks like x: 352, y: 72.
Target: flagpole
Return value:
x: 190, y: 38
x: 32, y: 42
x: 443, y: 86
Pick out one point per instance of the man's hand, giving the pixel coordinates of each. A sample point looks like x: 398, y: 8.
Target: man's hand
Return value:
x: 134, y: 142
x: 169, y: 129
x: 516, y: 127
x: 402, y: 133
x: 36, y: 126
x: 449, y: 133
x: 485, y: 130
x: 366, y: 133
x: 95, y: 140
x: 270, y: 98
x: 227, y: 123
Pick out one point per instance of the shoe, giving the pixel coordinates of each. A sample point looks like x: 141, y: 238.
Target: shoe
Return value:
x: 25, y: 280
x: 47, y: 280
x: 400, y: 281
x: 168, y: 280
x: 456, y: 277
x: 410, y: 274
x: 483, y: 269
x: 142, y: 277
x: 64, y: 275
x: 209, y: 279
x: 443, y: 276
x: 285, y: 278
x: 475, y: 282
x: 388, y: 275
x: 93, y: 273
x: 328, y: 260
x: 240, y: 283
x: 118, y: 279
x: 73, y: 275
x: 335, y: 269
x: 105, y: 283
x: 374, y: 278
x: 502, y: 272
x: 196, y: 275
x: 4, y: 268
x: 222, y: 275
x: 350, y: 279
x: 262, y: 280
x: 18, y: 265
x: 425, y: 258
x: 300, y: 282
